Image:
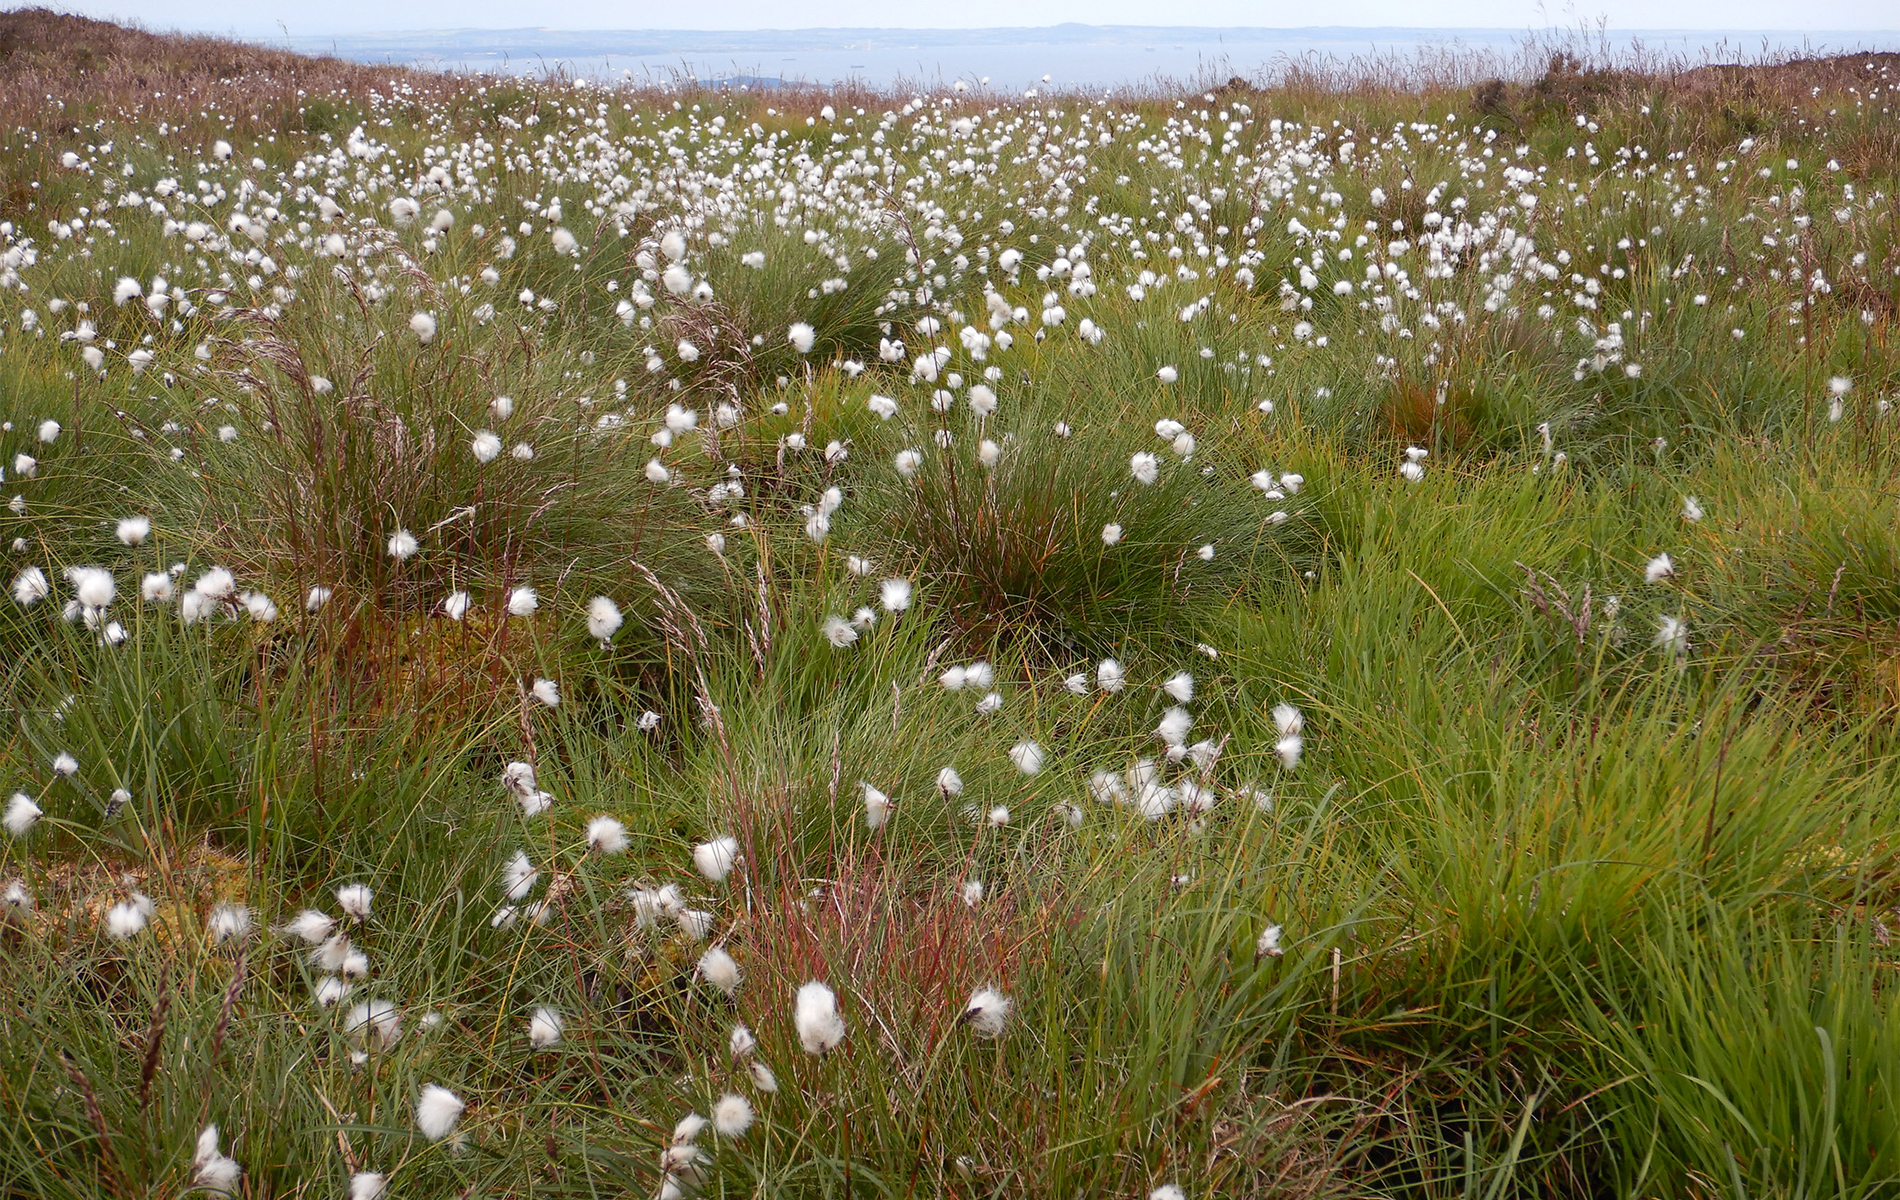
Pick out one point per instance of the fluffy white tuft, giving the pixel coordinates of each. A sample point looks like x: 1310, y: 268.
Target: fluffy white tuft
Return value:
x: 987, y: 1012
x: 715, y: 859
x: 720, y: 969
x: 544, y: 1027
x: 732, y: 1116
x: 437, y: 1111
x: 606, y: 836
x: 820, y: 1028
x: 603, y: 618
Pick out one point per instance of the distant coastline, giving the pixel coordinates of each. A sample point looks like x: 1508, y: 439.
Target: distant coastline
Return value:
x: 1071, y: 55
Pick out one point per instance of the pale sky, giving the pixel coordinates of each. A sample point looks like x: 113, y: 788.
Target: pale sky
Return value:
x: 305, y: 18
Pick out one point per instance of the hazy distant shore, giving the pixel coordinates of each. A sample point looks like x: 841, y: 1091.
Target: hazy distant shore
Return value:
x: 1071, y: 56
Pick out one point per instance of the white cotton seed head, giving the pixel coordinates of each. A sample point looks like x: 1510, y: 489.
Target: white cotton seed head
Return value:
x: 895, y: 594
x: 1180, y: 687
x: 720, y: 970
x: 30, y: 587
x: 762, y: 1077
x: 518, y: 778
x: 715, y: 859
x: 1288, y: 719
x: 732, y: 1116
x: 679, y: 1166
x: 1289, y: 748
x: 949, y: 783
x: 485, y: 446
x: 547, y: 691
x: 1174, y: 726
x: 1269, y: 944
x: 522, y: 602
x: 1658, y: 569
x: 877, y: 807
x: 213, y: 1172
x: 437, y: 1111
x: 368, y: 1185
x: 215, y: 584
x: 125, y: 920
x: 354, y: 899
x: 839, y: 632
x: 333, y: 953
x: 1672, y: 636
x: 544, y: 1027
x: 1109, y: 675
x: 402, y: 545
x: 520, y: 876
x: 606, y: 835
x: 374, y: 1023
x: 262, y: 608
x: 15, y: 901
x: 311, y: 926
x: 820, y: 1027
x: 688, y: 1128
x: 93, y: 587
x: 1028, y: 757
x: 22, y: 813
x: 987, y: 1012
x: 134, y: 530
x: 228, y: 923
x: 741, y: 1042
x: 603, y: 618
x: 329, y: 991
x: 802, y: 337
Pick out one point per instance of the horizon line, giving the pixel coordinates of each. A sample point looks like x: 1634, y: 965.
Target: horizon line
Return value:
x: 953, y: 29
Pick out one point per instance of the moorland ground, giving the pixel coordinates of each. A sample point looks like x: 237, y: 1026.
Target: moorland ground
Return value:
x: 1333, y: 638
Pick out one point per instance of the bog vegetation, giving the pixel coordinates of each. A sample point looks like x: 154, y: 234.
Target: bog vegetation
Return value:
x: 567, y: 640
